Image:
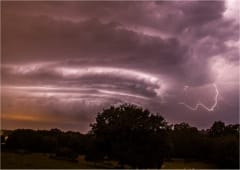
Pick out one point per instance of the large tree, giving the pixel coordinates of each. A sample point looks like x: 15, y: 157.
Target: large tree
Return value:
x: 217, y: 129
x: 131, y: 135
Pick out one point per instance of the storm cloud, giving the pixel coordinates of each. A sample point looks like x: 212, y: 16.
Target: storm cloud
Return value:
x: 62, y: 62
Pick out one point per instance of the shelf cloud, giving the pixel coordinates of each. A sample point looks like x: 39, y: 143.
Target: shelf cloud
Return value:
x: 62, y: 62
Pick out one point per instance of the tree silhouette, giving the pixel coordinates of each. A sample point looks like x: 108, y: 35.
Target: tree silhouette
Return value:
x: 131, y: 135
x: 135, y: 137
x: 217, y: 129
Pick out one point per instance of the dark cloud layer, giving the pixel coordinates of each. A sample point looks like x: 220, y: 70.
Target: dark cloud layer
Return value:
x: 71, y: 59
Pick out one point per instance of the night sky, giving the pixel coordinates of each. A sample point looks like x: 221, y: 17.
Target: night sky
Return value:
x: 62, y: 62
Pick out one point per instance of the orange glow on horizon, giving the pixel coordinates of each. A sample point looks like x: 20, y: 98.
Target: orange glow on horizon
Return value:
x: 21, y: 117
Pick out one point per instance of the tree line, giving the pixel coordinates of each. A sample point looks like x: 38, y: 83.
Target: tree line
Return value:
x: 135, y: 137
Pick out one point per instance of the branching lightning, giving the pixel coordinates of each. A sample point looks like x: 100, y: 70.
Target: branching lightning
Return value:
x: 211, y: 108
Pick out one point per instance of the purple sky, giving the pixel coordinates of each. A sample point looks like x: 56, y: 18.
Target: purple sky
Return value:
x: 62, y: 62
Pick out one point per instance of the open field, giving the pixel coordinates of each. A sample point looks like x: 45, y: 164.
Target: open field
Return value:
x: 183, y: 164
x: 42, y: 161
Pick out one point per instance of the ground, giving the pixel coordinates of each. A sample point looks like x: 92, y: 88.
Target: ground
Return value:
x: 187, y: 164
x: 42, y: 161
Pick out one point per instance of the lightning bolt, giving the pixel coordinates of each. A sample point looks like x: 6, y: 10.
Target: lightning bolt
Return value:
x: 210, y: 109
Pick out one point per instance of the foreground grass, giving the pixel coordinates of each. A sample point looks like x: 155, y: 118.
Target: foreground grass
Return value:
x: 42, y: 161
x: 187, y: 164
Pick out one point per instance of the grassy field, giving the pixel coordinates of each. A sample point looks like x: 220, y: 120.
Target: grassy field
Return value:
x: 183, y: 164
x: 42, y: 161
